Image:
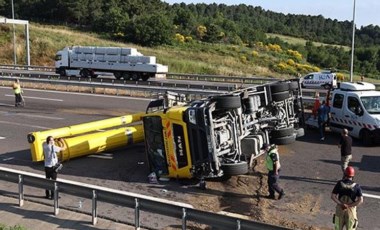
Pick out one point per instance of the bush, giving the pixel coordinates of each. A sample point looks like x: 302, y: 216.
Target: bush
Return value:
x: 340, y: 76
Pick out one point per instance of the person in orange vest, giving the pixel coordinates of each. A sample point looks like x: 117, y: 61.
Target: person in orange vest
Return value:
x: 347, y: 195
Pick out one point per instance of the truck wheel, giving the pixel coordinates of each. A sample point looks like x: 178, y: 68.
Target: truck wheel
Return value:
x: 62, y: 72
x: 84, y: 73
x: 300, y: 132
x: 117, y: 75
x: 282, y: 132
x: 227, y: 102
x: 135, y: 77
x: 126, y: 76
x: 293, y: 86
x: 284, y: 140
x: 280, y: 96
x: 145, y: 77
x: 365, y: 137
x: 233, y: 169
x: 279, y: 87
x: 327, y: 86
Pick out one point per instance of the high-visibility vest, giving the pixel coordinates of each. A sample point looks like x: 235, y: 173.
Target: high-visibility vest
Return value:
x: 268, y: 160
x: 16, y: 88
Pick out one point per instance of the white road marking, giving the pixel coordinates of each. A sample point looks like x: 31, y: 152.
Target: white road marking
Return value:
x: 371, y: 196
x: 2, y: 138
x: 32, y: 115
x: 24, y: 125
x: 38, y: 98
x: 87, y: 94
x: 10, y: 105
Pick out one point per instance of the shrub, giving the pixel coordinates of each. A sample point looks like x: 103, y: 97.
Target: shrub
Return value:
x: 291, y: 62
x: 295, y: 54
x: 274, y: 48
x: 255, y: 53
x: 340, y: 76
x: 179, y: 38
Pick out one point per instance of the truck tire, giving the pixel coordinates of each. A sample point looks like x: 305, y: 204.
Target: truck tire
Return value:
x: 284, y: 140
x: 117, y: 75
x: 327, y: 86
x: 62, y: 72
x: 84, y: 73
x: 126, y: 76
x: 300, y: 132
x: 278, y: 87
x: 293, y: 85
x: 282, y: 132
x: 145, y: 77
x: 365, y: 137
x: 135, y: 76
x: 233, y: 169
x: 280, y: 96
x: 227, y: 102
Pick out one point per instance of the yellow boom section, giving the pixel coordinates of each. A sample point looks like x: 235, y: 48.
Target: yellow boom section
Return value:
x: 102, y: 141
x: 36, y: 139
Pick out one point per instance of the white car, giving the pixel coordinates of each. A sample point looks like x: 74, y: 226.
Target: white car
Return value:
x: 326, y: 80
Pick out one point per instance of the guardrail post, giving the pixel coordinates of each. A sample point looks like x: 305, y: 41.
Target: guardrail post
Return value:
x: 94, y: 208
x: 238, y: 225
x: 184, y: 218
x: 20, y: 191
x: 56, y: 197
x: 137, y: 214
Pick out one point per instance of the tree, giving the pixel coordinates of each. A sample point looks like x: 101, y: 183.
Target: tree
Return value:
x: 152, y: 30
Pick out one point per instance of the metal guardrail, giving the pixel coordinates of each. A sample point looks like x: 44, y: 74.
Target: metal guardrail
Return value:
x: 177, y: 76
x: 148, y: 90
x: 138, y: 202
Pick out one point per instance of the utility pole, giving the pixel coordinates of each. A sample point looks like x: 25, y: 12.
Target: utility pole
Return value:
x: 14, y: 36
x: 353, y: 43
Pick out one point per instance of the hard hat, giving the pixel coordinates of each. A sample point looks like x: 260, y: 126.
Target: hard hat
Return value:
x: 350, y: 171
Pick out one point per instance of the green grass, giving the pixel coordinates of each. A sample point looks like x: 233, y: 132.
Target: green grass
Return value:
x: 301, y: 41
x: 16, y: 227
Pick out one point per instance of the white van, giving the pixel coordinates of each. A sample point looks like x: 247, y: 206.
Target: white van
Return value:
x: 356, y: 107
x: 324, y: 79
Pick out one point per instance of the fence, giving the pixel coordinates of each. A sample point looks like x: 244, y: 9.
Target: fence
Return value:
x: 138, y: 202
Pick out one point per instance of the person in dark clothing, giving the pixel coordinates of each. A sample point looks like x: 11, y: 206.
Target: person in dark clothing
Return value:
x: 322, y: 119
x: 347, y: 195
x: 272, y: 161
x: 345, y: 145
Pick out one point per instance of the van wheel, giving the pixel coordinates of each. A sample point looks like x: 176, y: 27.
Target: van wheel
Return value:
x: 365, y: 137
x: 327, y: 86
x: 84, y: 73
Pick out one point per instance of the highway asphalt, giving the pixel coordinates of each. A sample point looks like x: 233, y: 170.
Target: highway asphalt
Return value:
x: 310, y: 168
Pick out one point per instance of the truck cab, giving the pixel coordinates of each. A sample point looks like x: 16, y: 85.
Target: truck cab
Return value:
x: 356, y: 107
x: 217, y: 136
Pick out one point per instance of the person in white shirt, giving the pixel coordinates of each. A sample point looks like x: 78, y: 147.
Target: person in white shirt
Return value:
x: 51, y: 160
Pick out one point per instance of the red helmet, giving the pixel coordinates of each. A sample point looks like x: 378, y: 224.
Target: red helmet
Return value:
x: 350, y: 171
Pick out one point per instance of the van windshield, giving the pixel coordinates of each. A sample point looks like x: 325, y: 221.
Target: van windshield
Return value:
x: 371, y: 104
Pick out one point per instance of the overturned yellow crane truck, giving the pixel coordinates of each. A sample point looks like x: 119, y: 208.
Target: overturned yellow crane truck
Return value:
x: 209, y: 138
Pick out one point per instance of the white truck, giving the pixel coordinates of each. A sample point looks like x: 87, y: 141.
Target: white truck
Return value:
x: 125, y: 63
x: 355, y: 107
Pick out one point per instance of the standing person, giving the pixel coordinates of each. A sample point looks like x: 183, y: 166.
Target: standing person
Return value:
x: 51, y: 160
x: 347, y: 195
x: 345, y: 145
x: 272, y: 161
x: 17, y: 90
x: 322, y: 119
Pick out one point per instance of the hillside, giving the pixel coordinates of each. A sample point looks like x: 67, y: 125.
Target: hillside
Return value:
x: 195, y: 57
